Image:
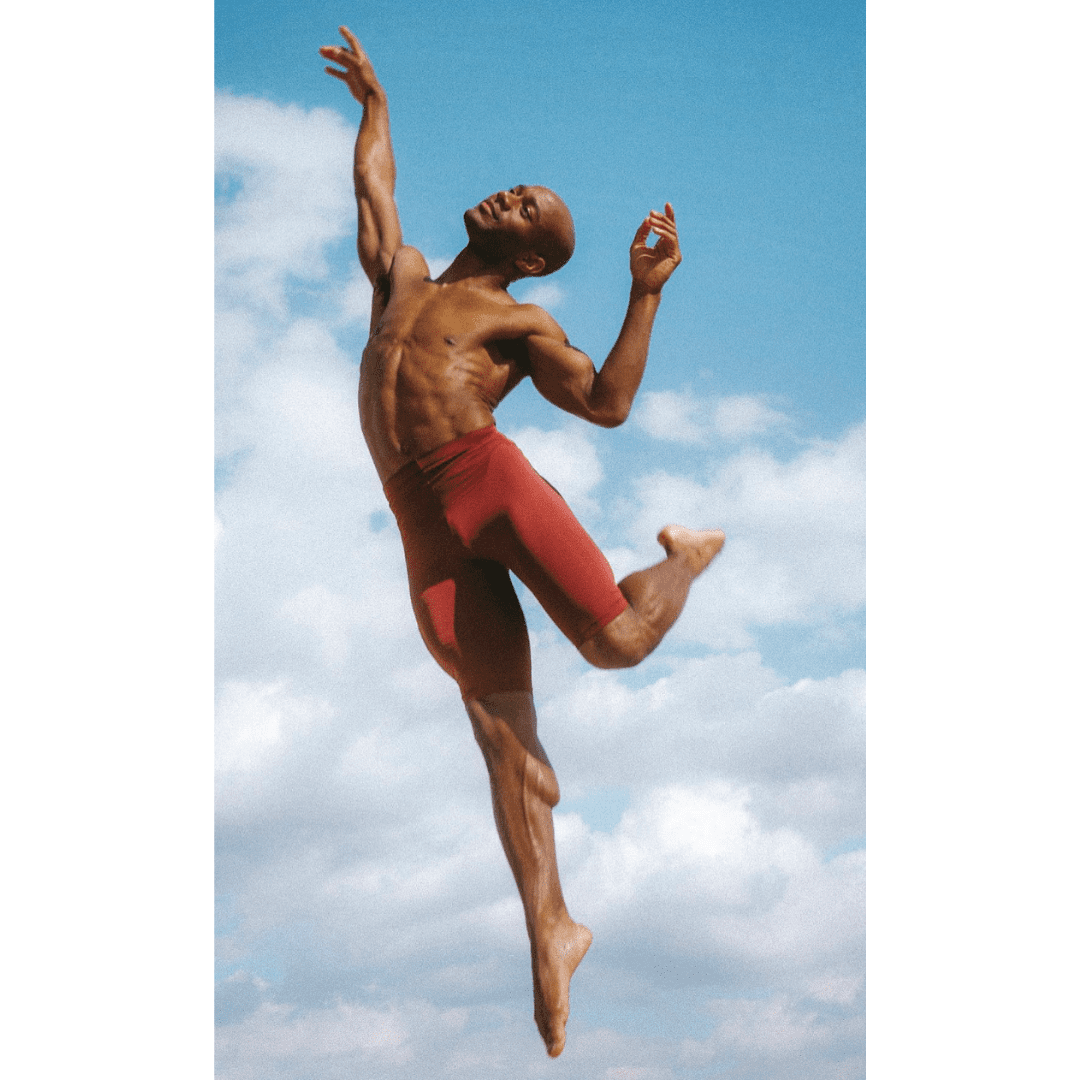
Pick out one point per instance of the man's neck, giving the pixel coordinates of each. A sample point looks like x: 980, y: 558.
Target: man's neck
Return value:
x: 470, y: 268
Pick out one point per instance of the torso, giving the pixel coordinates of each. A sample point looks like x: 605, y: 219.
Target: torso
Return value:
x: 439, y: 359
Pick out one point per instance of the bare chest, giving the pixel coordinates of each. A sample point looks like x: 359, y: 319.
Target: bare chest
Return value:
x: 439, y: 332
x: 437, y: 317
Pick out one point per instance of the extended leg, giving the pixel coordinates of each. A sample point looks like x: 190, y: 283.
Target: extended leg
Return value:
x: 523, y: 791
x: 656, y: 595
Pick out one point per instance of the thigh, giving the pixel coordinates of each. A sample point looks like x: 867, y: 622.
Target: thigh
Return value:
x: 539, y: 538
x: 473, y: 625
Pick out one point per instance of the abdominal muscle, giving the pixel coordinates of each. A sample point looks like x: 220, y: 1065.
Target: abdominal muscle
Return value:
x: 414, y: 400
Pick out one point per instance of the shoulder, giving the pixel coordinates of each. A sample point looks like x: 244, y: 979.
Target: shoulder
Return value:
x: 538, y: 322
x: 407, y: 268
x: 408, y: 262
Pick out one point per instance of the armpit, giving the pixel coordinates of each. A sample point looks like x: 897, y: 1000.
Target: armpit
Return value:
x: 380, y: 293
x: 513, y: 351
x: 380, y: 297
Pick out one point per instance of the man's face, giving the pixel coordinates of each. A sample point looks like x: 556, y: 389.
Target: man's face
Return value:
x: 515, y: 221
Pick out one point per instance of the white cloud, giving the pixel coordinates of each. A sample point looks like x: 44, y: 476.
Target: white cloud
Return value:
x: 332, y: 616
x: 676, y: 416
x: 301, y: 401
x: 762, y: 1037
x: 744, y: 415
x: 545, y: 294
x: 285, y: 1040
x: 736, y: 718
x: 680, y: 416
x: 248, y: 725
x: 796, y: 536
x: 288, y: 195
x: 353, y: 298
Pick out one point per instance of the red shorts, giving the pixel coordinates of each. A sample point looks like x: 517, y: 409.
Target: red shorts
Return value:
x: 468, y: 512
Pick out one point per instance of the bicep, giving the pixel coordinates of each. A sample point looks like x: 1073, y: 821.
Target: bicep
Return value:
x: 378, y: 235
x: 564, y: 375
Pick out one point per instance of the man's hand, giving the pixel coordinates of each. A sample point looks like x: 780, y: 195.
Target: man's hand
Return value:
x: 358, y: 75
x: 650, y: 267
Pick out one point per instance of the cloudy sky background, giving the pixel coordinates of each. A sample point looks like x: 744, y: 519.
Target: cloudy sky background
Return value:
x: 711, y: 831
x: 108, y: 774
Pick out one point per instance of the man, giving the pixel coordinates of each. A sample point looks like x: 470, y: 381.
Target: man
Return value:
x: 441, y: 355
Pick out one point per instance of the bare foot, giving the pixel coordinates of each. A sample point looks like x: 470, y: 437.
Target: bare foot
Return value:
x: 700, y: 546
x: 555, y: 959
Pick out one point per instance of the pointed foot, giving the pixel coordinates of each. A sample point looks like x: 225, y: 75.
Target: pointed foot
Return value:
x: 699, y: 546
x: 555, y: 959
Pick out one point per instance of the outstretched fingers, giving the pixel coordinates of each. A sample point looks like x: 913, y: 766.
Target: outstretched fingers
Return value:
x: 353, y: 59
x: 352, y: 45
x: 350, y: 37
x: 339, y: 56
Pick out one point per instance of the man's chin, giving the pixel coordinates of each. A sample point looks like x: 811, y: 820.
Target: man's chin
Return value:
x: 482, y: 243
x: 474, y: 226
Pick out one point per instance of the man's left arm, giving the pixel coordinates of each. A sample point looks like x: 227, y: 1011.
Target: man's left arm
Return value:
x: 374, y: 173
x: 566, y: 376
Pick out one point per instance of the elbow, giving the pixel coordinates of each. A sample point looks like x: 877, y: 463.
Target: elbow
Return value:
x: 607, y: 406
x: 612, y: 417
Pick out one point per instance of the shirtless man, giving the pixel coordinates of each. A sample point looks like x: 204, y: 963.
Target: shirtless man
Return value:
x: 441, y: 355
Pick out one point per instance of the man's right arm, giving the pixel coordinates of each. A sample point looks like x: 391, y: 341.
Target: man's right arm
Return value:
x: 566, y: 376
x: 378, y: 228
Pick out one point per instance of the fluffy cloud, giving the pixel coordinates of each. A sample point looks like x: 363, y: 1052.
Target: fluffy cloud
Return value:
x: 679, y: 416
x: 796, y: 537
x: 369, y: 923
x: 745, y: 415
x: 284, y: 195
x: 545, y: 294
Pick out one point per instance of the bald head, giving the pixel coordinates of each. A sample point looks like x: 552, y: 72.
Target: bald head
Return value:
x: 557, y: 229
x: 527, y: 226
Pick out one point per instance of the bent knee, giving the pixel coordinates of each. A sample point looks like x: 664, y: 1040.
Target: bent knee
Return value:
x: 623, y: 643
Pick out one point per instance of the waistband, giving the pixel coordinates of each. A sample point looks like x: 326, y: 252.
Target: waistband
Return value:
x: 412, y: 472
x: 461, y: 445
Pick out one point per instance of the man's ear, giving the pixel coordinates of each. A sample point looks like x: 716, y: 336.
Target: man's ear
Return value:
x: 530, y: 264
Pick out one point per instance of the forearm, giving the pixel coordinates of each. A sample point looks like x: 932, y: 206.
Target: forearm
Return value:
x: 374, y: 178
x: 378, y: 234
x: 374, y: 171
x: 616, y: 383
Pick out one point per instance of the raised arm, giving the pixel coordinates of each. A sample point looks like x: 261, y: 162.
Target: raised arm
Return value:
x: 566, y: 376
x: 378, y: 230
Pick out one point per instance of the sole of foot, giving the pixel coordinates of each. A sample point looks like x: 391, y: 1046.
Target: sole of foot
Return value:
x: 553, y: 1006
x: 700, y: 546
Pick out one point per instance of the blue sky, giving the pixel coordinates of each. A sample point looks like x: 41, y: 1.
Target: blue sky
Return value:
x: 711, y: 828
